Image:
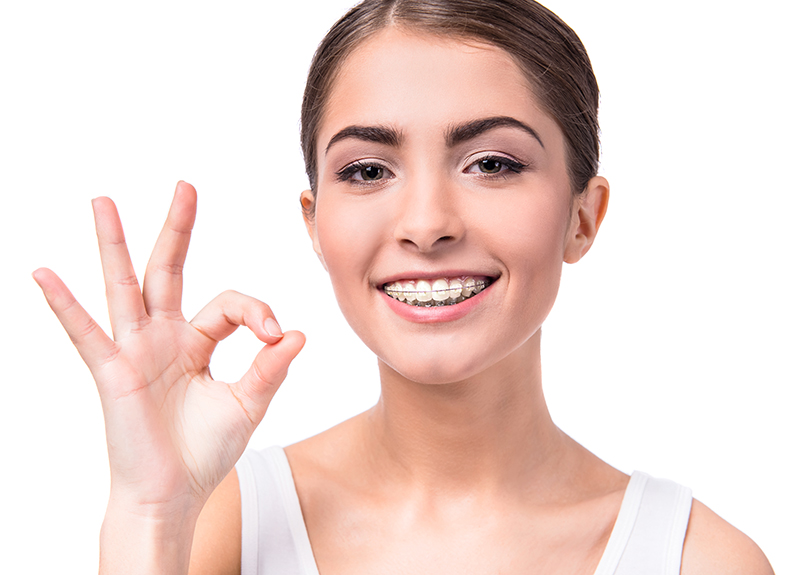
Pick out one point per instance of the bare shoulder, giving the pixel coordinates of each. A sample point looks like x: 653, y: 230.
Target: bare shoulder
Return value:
x: 715, y: 546
x: 217, y: 544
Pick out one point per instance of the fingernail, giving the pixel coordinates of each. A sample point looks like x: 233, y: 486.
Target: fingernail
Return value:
x: 272, y: 327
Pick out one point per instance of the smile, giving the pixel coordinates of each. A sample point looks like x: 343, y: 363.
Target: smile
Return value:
x: 439, y: 292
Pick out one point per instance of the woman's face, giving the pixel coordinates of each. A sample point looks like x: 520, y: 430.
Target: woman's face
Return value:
x: 437, y: 170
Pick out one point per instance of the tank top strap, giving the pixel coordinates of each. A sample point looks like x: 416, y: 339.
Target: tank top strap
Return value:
x: 274, y: 536
x: 650, y: 529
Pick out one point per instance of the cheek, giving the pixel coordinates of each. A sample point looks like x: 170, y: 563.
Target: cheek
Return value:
x: 533, y: 235
x: 349, y: 234
x: 531, y: 230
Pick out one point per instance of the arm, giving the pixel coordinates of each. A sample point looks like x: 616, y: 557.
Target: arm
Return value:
x: 217, y: 546
x: 714, y: 546
x: 210, y: 544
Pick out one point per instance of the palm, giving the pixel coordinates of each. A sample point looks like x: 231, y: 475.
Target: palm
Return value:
x: 173, y: 431
x: 166, y: 412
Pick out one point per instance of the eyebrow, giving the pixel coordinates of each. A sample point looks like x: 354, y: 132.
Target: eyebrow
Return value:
x: 454, y: 136
x: 377, y: 134
x: 463, y: 132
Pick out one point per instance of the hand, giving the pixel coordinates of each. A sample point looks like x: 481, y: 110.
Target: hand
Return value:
x: 173, y: 432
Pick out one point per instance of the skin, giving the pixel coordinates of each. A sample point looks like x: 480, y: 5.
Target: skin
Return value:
x: 459, y: 467
x: 173, y: 432
x: 460, y: 447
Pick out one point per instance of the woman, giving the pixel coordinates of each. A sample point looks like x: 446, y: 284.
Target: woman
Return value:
x: 452, y: 153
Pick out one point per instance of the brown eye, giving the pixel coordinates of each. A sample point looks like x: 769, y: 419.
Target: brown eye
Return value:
x: 370, y: 173
x: 490, y: 166
x: 363, y: 173
x: 501, y: 166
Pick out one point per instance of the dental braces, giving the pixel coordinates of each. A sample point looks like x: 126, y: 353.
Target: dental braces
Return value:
x: 478, y: 284
x: 434, y: 303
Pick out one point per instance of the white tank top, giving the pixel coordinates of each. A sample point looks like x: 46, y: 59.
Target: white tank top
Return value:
x: 647, y: 537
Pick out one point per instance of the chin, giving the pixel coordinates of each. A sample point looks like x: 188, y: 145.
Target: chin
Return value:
x: 430, y: 375
x: 433, y: 367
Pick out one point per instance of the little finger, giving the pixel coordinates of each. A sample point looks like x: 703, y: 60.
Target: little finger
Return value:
x: 94, y: 346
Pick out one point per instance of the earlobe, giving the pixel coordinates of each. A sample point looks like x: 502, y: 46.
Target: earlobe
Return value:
x: 308, y: 202
x: 587, y: 214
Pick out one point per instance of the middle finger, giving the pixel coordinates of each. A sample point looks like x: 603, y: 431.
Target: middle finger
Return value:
x: 125, y: 306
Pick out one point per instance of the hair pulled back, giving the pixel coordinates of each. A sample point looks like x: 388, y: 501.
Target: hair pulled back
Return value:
x: 548, y: 52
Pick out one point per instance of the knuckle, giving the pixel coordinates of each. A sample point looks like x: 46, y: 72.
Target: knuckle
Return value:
x: 171, y: 269
x: 140, y: 323
x: 260, y: 375
x: 165, y: 313
x: 229, y: 294
x: 268, y: 377
x: 125, y: 281
x: 183, y: 231
x: 257, y: 309
x: 68, y: 304
x: 83, y: 331
x: 111, y: 355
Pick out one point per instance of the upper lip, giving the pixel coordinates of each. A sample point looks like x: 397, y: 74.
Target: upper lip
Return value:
x: 428, y: 275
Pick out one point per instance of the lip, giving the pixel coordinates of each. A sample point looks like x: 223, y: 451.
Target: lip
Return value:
x: 434, y: 314
x: 428, y: 276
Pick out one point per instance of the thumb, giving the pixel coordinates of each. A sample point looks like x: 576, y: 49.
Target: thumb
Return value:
x: 268, y: 371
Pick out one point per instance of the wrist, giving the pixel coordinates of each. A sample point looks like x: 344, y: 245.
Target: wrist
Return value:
x: 146, y: 539
x: 131, y: 502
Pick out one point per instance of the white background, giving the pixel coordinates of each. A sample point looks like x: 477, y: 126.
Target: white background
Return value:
x: 672, y: 348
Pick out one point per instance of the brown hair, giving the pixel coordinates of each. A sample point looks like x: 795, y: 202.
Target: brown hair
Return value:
x: 546, y: 49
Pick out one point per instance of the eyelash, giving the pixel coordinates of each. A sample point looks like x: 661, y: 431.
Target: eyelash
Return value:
x: 511, y: 165
x: 346, y: 174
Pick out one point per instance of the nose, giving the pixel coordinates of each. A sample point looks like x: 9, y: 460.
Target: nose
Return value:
x: 428, y: 215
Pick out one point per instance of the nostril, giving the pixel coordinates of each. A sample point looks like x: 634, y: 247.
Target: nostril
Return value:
x: 427, y: 229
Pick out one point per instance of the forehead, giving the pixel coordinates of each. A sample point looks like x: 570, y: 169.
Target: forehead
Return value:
x: 419, y: 81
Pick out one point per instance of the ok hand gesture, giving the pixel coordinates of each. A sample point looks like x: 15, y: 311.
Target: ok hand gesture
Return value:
x: 173, y: 432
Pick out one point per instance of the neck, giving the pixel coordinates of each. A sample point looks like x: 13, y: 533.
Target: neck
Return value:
x: 493, y: 428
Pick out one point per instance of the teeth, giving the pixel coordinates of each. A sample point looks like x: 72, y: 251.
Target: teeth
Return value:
x: 424, y: 291
x: 468, y: 288
x: 455, y: 289
x: 443, y: 291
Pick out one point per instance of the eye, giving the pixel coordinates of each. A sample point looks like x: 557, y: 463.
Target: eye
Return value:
x: 363, y: 172
x: 489, y: 166
x: 495, y: 165
x: 370, y: 173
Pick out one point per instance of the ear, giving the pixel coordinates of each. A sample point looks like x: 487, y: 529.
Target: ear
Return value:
x: 588, y: 211
x: 309, y: 202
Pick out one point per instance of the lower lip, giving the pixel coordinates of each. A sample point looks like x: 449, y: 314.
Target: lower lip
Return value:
x: 434, y: 314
